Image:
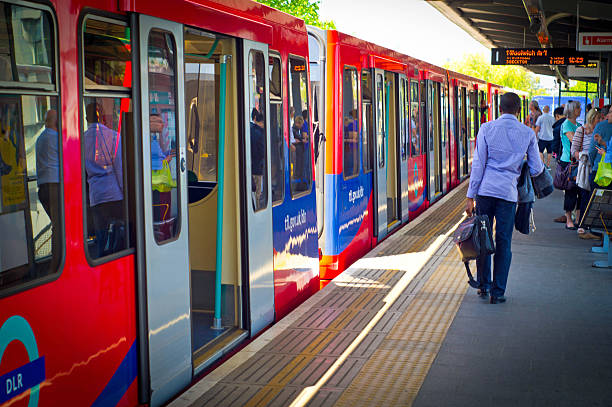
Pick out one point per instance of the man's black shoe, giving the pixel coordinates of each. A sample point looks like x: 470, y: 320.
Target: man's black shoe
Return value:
x: 497, y: 300
x: 482, y: 292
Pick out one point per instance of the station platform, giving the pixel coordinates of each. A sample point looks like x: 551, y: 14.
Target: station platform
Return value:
x: 401, y: 327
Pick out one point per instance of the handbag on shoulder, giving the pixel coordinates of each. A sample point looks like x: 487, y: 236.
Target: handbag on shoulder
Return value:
x: 563, y: 176
x: 474, y: 239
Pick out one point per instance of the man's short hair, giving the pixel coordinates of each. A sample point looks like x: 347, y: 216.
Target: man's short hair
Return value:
x: 559, y: 111
x: 510, y: 103
x: 546, y: 109
x: 605, y: 110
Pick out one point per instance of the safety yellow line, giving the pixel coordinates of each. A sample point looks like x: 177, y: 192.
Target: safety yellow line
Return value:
x: 308, y: 393
x: 297, y: 364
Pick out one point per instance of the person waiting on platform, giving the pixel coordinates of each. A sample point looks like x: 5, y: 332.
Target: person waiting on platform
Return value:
x: 48, y: 178
x: 580, y: 152
x: 601, y: 138
x: 544, y: 132
x: 534, y: 113
x: 572, y: 196
x: 501, y: 146
x: 103, y: 167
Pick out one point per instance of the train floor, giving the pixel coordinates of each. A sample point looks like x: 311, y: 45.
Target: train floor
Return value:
x: 401, y: 327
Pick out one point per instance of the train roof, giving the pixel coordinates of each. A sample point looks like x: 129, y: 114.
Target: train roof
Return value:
x: 378, y: 50
x: 241, y: 18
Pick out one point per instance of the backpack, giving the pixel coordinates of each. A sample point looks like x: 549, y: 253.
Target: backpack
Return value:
x: 474, y: 238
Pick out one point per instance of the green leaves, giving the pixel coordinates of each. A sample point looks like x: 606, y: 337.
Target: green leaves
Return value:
x: 304, y: 9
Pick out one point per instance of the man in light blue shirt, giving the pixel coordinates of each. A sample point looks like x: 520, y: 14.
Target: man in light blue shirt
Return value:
x: 501, y: 146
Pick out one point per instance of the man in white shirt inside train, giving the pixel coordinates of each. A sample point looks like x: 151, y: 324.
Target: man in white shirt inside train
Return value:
x: 544, y: 132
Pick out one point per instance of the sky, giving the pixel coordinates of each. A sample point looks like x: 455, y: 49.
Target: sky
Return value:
x: 412, y: 27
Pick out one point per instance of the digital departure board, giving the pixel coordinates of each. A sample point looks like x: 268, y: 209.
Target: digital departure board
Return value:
x: 537, y: 56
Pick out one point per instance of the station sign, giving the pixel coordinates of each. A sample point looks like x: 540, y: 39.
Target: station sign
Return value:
x: 537, y: 56
x: 590, y: 41
x: 589, y: 70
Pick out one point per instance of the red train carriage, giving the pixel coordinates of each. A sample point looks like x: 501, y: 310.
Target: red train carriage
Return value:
x: 150, y: 180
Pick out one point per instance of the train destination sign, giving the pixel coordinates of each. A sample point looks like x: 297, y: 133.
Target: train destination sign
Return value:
x: 537, y: 56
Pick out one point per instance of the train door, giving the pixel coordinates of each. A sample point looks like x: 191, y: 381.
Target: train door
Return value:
x: 393, y: 134
x: 166, y: 234
x: 380, y: 166
x: 445, y: 145
x: 258, y: 248
x: 434, y: 153
x: 316, y: 51
x: 404, y: 143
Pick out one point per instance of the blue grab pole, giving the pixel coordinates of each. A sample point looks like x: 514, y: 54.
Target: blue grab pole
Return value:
x: 220, y: 184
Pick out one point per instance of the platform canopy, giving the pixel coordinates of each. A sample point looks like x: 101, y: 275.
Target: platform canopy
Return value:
x: 531, y: 24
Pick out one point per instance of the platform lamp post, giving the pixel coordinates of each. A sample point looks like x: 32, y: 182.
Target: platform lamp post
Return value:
x: 221, y: 179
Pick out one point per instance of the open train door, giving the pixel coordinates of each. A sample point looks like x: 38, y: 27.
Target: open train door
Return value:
x: 258, y: 250
x: 380, y: 166
x: 164, y: 185
x: 403, y: 143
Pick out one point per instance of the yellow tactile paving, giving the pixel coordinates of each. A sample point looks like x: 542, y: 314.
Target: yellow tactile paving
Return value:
x: 297, y: 364
x: 400, y: 364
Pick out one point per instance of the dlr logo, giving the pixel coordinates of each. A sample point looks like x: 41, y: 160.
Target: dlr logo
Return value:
x: 14, y: 383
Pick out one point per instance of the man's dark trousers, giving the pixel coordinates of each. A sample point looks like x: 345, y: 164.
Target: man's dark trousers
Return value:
x: 503, y: 212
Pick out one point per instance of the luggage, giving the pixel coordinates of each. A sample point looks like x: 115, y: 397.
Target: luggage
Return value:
x: 474, y: 239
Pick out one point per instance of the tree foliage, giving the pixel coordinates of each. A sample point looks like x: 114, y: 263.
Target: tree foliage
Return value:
x: 510, y: 76
x: 580, y: 87
x: 304, y: 9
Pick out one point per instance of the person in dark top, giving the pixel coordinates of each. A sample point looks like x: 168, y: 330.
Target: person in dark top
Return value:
x: 258, y: 154
x: 556, y: 142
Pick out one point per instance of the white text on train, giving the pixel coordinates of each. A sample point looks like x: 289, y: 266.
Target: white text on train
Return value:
x: 355, y: 195
x: 295, y: 221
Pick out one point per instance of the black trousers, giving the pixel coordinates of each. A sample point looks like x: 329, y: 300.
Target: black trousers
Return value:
x: 572, y: 197
x: 48, y: 194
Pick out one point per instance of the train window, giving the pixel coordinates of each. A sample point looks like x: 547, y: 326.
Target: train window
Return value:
x: 473, y: 114
x: 277, y: 138
x: 163, y: 139
x: 367, y: 121
x: 407, y: 147
x: 259, y: 147
x: 483, y: 107
x: 31, y: 198
x: 107, y: 61
x: 350, y: 122
x: 107, y: 121
x: 443, y: 113
x: 402, y: 118
x: 423, y: 113
x: 203, y: 54
x: 27, y: 48
x: 380, y: 120
x: 301, y: 157
x: 415, y: 132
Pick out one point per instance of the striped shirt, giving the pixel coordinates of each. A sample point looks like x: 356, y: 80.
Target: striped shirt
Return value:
x: 501, y: 146
x: 581, y: 141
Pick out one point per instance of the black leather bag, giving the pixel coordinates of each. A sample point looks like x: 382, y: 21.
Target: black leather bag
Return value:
x: 474, y: 239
